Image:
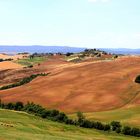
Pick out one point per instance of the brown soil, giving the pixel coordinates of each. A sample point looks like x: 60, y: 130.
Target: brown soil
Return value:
x: 88, y: 86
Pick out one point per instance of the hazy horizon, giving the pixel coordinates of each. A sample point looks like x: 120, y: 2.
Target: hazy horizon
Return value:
x: 80, y: 23
x: 65, y: 46
x: 62, y: 49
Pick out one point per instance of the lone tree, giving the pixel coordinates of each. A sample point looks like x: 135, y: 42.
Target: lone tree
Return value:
x: 116, y: 56
x: 80, y: 117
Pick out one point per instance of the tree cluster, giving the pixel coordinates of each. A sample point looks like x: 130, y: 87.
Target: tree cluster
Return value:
x: 9, y: 59
x: 69, y: 54
x: 126, y: 130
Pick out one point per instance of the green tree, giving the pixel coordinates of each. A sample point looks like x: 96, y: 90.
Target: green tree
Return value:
x: 80, y: 116
x: 115, y: 125
x: 19, y: 106
x: 106, y: 127
x: 118, y: 130
x: 126, y: 130
x: 135, y: 132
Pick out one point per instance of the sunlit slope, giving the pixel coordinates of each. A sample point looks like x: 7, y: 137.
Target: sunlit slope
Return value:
x: 9, y: 65
x: 21, y: 126
x: 127, y: 116
x: 86, y: 86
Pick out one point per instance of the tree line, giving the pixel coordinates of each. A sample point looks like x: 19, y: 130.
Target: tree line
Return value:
x: 23, y: 81
x: 61, y: 117
x: 8, y: 59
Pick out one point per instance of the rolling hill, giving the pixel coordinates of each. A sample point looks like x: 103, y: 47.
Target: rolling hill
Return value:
x: 22, y: 126
x: 87, y: 86
x: 127, y: 116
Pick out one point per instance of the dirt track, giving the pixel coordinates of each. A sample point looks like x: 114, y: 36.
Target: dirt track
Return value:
x: 87, y: 86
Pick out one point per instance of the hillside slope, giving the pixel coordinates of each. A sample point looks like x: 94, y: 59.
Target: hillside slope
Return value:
x: 127, y: 116
x: 87, y: 86
x: 22, y: 126
x: 9, y: 65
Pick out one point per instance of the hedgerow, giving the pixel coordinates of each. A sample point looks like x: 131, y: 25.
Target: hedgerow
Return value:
x: 61, y: 117
x: 23, y: 81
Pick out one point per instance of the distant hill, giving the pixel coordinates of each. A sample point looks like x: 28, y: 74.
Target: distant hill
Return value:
x: 39, y: 49
x: 62, y: 49
x: 122, y: 51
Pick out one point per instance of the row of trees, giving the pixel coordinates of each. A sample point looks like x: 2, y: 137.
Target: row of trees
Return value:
x: 43, y: 54
x: 81, y: 121
x: 37, y: 110
x: 23, y: 81
x: 126, y: 130
x: 9, y: 59
x: 113, y: 126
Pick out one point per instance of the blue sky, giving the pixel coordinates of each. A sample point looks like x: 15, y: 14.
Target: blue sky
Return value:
x: 77, y: 23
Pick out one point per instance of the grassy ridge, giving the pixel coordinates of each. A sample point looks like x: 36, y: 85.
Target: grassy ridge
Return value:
x: 22, y: 126
x: 130, y: 116
x: 56, y: 116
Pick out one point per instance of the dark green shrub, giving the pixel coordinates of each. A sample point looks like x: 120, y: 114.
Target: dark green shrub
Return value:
x: 107, y: 127
x: 80, y: 117
x: 99, y: 125
x: 69, y: 121
x: 115, y: 125
x: 61, y: 117
x: 69, y: 54
x: 118, y: 130
x: 9, y: 106
x: 126, y: 130
x: 86, y: 124
x: 54, y: 113
x: 19, y: 106
x: 137, y: 80
x: 135, y: 132
x: 116, y: 56
x: 44, y: 114
x: 30, y: 66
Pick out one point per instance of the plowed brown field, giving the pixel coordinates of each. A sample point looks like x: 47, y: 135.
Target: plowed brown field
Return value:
x: 87, y: 86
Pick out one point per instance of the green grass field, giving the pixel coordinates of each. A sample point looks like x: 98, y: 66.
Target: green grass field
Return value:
x: 28, y: 61
x: 130, y: 116
x: 22, y: 126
